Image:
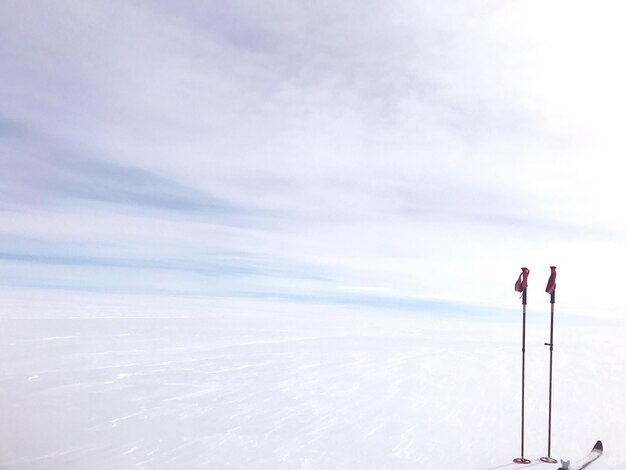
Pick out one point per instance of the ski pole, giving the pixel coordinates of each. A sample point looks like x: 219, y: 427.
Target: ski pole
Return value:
x: 521, y: 286
x: 550, y: 289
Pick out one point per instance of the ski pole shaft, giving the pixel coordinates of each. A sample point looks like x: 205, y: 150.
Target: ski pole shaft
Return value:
x: 520, y: 286
x: 523, y: 362
x: 550, y: 386
x: 550, y: 289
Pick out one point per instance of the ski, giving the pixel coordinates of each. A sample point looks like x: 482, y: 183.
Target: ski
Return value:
x: 581, y: 464
x: 591, y: 457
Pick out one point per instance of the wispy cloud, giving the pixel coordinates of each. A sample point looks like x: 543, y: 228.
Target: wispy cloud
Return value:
x: 290, y: 149
x: 39, y: 170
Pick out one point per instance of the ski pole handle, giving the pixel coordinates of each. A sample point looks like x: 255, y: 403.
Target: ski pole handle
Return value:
x: 551, y: 287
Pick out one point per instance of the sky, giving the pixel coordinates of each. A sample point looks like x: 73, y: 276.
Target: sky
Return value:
x: 403, y: 155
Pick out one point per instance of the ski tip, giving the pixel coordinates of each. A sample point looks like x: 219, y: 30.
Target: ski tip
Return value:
x: 598, y: 447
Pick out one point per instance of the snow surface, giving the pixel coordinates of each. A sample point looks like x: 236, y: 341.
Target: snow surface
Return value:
x: 316, y: 388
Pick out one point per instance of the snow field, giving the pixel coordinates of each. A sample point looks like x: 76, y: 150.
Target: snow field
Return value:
x: 307, y: 390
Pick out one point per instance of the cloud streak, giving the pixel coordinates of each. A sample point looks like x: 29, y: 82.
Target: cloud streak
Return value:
x: 38, y: 169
